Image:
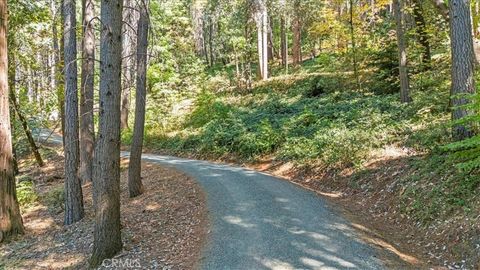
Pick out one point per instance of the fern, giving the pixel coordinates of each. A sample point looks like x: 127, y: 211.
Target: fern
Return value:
x: 466, y: 153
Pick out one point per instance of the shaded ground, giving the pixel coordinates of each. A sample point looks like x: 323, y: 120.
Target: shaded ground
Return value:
x: 164, y: 228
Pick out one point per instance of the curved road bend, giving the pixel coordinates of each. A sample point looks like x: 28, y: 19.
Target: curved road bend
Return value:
x: 260, y: 222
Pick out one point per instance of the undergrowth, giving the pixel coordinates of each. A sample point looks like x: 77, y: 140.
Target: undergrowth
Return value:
x: 317, y: 118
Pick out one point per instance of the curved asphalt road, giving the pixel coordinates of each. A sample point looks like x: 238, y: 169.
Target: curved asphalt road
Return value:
x: 260, y: 222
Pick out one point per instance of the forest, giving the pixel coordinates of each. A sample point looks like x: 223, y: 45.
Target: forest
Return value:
x: 239, y: 134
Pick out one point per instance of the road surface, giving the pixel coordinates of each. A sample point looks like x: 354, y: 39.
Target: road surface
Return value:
x: 261, y: 222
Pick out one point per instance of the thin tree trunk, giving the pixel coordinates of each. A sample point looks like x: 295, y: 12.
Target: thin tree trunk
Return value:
x: 135, y: 185
x: 462, y: 63
x: 271, y: 43
x: 128, y: 60
x: 354, y: 45
x: 11, y: 221
x: 283, y: 41
x: 210, y: 41
x: 59, y: 63
x: 261, y: 18
x: 58, y: 66
x: 402, y: 52
x: 106, y: 170
x: 12, y: 77
x: 14, y: 151
x: 265, y: 43
x: 197, y: 13
x: 73, y: 188
x: 297, y: 35
x: 87, y: 136
x: 26, y: 129
x: 260, y: 45
x: 207, y: 58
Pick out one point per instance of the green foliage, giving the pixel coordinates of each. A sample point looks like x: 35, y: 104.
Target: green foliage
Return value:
x: 436, y: 189
x: 55, y: 199
x: 283, y: 118
x: 466, y: 153
x: 26, y: 193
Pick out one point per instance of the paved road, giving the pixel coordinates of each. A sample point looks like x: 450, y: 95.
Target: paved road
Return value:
x: 260, y: 222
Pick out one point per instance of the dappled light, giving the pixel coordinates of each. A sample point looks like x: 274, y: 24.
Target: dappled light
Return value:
x: 239, y: 134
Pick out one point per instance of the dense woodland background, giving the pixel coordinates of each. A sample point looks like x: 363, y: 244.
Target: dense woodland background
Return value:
x: 324, y: 86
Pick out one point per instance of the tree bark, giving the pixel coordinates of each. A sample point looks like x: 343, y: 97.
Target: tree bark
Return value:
x: 462, y: 64
x: 297, y: 35
x: 106, y: 168
x: 210, y: 40
x: 128, y: 60
x: 271, y: 43
x: 59, y: 67
x: 135, y: 185
x: 261, y: 19
x: 354, y: 45
x: 73, y: 188
x: 10, y: 219
x: 402, y: 52
x: 87, y: 133
x: 197, y: 13
x: 283, y: 41
x: 445, y: 11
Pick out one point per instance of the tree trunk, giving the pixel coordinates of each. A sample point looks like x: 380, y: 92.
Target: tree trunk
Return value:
x: 422, y: 32
x: 14, y: 151
x: 462, y: 63
x: 445, y: 11
x: 10, y: 219
x: 210, y: 41
x: 197, y: 12
x: 261, y: 19
x: 26, y: 129
x: 87, y: 136
x: 402, y: 52
x: 271, y: 43
x: 59, y: 68
x: 265, y: 43
x: 135, y: 185
x: 354, y: 45
x: 297, y: 34
x: 283, y: 41
x: 106, y: 170
x: 12, y: 76
x: 73, y: 187
x: 128, y: 60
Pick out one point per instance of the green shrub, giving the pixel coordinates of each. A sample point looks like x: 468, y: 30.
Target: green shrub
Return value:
x: 26, y: 193
x: 263, y: 140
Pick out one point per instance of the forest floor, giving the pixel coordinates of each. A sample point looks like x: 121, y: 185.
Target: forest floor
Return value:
x: 164, y: 228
